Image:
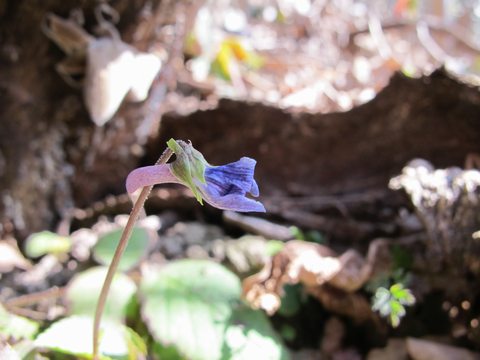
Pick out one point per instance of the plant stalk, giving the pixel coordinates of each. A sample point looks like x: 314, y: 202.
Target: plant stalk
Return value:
x: 122, y: 244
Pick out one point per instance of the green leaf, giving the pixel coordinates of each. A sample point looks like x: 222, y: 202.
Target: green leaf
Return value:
x: 84, y: 289
x: 390, y: 302
x: 316, y: 237
x: 297, y: 233
x: 401, y: 258
x: 291, y: 301
x: 46, y: 242
x: 381, y: 297
x: 136, y: 344
x: 7, y: 353
x: 188, y: 304
x: 26, y: 350
x: 288, y: 332
x: 394, y: 320
x: 136, y: 248
x: 192, y: 309
x: 397, y: 308
x: 246, y: 254
x: 16, y: 327
x: 273, y: 247
x: 169, y: 352
x: 403, y: 295
x: 250, y: 336
x: 73, y: 335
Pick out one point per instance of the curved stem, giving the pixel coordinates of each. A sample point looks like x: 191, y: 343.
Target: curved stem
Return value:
x: 122, y: 244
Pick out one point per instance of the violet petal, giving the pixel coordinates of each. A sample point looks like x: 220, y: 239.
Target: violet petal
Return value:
x: 150, y: 175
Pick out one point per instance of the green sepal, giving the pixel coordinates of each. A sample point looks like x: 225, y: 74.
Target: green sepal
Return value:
x: 189, y: 166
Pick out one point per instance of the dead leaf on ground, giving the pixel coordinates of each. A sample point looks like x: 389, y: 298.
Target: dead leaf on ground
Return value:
x: 330, y: 278
x: 11, y: 257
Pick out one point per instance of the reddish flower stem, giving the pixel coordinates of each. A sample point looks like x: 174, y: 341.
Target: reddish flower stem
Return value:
x: 122, y: 244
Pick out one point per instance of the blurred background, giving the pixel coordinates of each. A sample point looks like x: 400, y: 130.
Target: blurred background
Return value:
x: 363, y: 119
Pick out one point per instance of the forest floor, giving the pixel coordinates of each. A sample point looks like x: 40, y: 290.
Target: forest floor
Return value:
x: 362, y: 253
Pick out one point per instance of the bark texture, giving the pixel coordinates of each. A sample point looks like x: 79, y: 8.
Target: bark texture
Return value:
x: 52, y: 157
x: 434, y: 118
x: 331, y: 171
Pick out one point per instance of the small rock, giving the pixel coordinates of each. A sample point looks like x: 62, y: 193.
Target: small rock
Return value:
x: 37, y: 278
x: 334, y: 332
x: 306, y: 354
x: 419, y: 349
x: 172, y: 247
x: 186, y: 234
x: 347, y: 354
x: 196, y: 252
x: 396, y: 349
x: 82, y: 242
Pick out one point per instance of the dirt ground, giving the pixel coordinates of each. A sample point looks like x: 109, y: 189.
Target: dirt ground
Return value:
x: 365, y: 132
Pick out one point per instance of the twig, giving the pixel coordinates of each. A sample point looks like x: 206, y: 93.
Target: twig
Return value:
x: 29, y: 299
x: 425, y: 38
x: 122, y: 244
x: 378, y: 36
x: 433, y: 22
x: 258, y: 226
x: 338, y: 227
x: 28, y: 313
x: 324, y: 202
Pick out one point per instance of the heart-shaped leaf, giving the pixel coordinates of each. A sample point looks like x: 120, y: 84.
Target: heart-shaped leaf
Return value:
x: 136, y: 248
x: 17, y: 327
x: 193, y: 310
x: 250, y: 336
x: 84, y: 289
x: 188, y: 304
x: 73, y: 335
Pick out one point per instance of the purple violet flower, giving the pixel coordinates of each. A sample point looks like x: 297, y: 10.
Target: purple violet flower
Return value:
x: 224, y: 187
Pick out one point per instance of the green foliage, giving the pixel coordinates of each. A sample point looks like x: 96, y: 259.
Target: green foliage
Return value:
x: 187, y: 304
x: 288, y: 332
x: 249, y: 335
x: 135, y: 250
x: 136, y: 344
x: 16, y: 327
x: 167, y: 352
x: 84, y: 289
x: 73, y: 335
x: 402, y: 260
x: 25, y: 349
x: 311, y: 236
x: 391, y: 294
x: 391, y: 302
x: 273, y: 247
x: 192, y: 308
x: 46, y: 242
x: 291, y: 300
x: 385, y: 280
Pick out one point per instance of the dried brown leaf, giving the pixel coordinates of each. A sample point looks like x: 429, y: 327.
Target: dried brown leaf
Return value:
x: 11, y: 257
x: 330, y: 278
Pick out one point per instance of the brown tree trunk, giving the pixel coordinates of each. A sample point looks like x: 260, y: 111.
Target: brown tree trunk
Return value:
x: 330, y: 172
x: 52, y: 156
